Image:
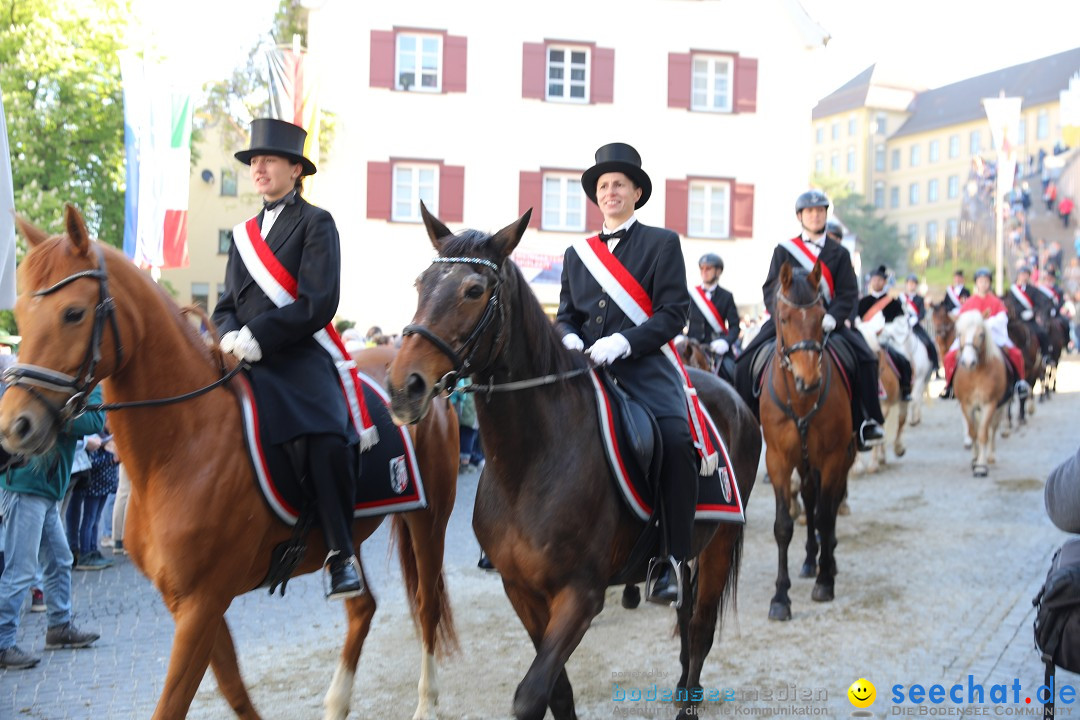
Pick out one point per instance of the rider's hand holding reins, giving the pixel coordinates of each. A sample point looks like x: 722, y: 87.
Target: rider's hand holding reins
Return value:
x: 719, y: 346
x: 244, y: 345
x: 828, y: 323
x: 571, y: 341
x: 608, y: 349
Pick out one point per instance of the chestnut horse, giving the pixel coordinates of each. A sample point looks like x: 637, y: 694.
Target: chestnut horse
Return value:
x: 979, y: 384
x: 197, y: 524
x: 547, y: 509
x: 803, y: 385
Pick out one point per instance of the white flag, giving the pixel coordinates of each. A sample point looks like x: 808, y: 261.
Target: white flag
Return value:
x: 7, y: 219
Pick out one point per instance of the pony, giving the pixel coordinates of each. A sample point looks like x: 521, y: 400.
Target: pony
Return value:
x: 803, y: 384
x: 198, y: 527
x: 547, y: 509
x: 979, y: 383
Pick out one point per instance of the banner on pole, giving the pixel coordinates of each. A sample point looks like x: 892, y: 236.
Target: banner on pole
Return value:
x: 7, y: 219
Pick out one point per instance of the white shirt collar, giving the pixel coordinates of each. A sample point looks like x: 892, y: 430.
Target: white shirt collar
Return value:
x: 820, y: 242
x: 269, y: 218
x: 879, y: 294
x: 625, y: 226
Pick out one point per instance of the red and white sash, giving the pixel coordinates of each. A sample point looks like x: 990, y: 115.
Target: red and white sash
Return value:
x: 1050, y: 293
x: 280, y: 286
x: 954, y: 295
x: 636, y: 304
x: 807, y: 256
x: 909, y: 304
x: 1022, y: 297
x: 705, y: 305
x: 877, y: 307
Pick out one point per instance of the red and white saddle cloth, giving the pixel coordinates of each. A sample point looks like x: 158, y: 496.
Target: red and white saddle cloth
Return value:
x: 635, y: 303
x: 806, y: 256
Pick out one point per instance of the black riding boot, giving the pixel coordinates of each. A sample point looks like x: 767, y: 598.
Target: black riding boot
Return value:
x: 870, y: 421
x: 904, y: 367
x: 331, y: 472
x: 679, y: 485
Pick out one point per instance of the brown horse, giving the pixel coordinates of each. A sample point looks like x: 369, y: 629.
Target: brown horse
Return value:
x: 979, y: 384
x: 804, y: 385
x: 1057, y: 330
x: 944, y: 328
x: 1025, y: 338
x: 547, y: 509
x: 693, y: 354
x: 197, y: 525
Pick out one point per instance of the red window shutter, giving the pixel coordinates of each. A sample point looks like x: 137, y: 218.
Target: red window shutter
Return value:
x: 678, y: 80
x: 603, y: 75
x: 452, y: 193
x: 379, y: 190
x: 594, y: 219
x: 745, y: 85
x: 742, y: 211
x: 677, y: 209
x: 533, y: 70
x: 531, y: 195
x: 454, y: 60
x: 382, y: 58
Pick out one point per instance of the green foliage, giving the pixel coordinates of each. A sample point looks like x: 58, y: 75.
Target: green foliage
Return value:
x: 62, y: 96
x: 879, y: 241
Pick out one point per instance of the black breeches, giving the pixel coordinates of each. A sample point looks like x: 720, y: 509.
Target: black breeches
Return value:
x: 332, y: 476
x: 679, y: 484
x: 865, y: 403
x: 903, y: 366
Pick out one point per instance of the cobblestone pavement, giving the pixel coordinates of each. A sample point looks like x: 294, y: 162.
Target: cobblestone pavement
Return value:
x: 972, y: 620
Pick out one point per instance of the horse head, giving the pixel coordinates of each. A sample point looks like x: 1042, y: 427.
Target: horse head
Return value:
x: 460, y: 316
x: 70, y: 338
x: 971, y: 331
x: 800, y: 308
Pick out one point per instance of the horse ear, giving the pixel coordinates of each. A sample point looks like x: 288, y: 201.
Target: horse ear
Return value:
x: 435, y: 228
x: 815, y: 275
x: 76, y: 229
x: 33, y: 234
x: 785, y: 276
x: 508, y: 238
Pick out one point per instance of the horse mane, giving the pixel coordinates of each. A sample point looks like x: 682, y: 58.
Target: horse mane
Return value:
x: 967, y: 321
x: 544, y: 343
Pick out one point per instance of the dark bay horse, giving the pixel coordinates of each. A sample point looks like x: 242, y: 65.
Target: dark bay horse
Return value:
x: 1057, y: 331
x: 806, y: 419
x: 944, y: 328
x: 547, y: 510
x: 1025, y: 338
x: 197, y: 525
x: 693, y: 354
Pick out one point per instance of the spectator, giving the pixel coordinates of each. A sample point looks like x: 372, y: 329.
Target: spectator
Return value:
x: 353, y: 341
x: 1055, y: 255
x: 1065, y: 208
x: 103, y: 482
x: 1050, y: 195
x: 1062, y: 494
x: 1072, y: 277
x: 84, y: 508
x: 470, y: 455
x: 123, y: 492
x: 374, y: 333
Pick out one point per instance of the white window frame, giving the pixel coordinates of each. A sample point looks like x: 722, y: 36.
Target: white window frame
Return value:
x: 569, y: 185
x: 931, y: 232
x: 879, y: 158
x: 852, y: 127
x: 953, y: 189
x: 914, y: 156
x: 851, y: 161
x: 819, y: 164
x: 974, y: 142
x: 934, y: 152
x: 710, y: 83
x: 566, y: 81
x: 879, y: 194
x: 414, y: 191
x: 419, y: 38
x: 954, y: 146
x: 913, y: 194
x: 933, y: 190
x: 708, y: 187
x: 1042, y: 125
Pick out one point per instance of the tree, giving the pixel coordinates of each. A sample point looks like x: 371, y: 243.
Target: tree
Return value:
x: 60, y: 76
x: 879, y: 241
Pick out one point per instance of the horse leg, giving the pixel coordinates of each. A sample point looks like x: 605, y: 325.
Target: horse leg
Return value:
x: 198, y: 618
x: 901, y: 420
x: 980, y: 466
x: 783, y: 529
x: 359, y: 610
x: 227, y: 672
x: 810, y: 500
x: 831, y: 492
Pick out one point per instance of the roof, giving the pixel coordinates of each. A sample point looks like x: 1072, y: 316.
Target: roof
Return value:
x: 1037, y: 82
x: 863, y: 90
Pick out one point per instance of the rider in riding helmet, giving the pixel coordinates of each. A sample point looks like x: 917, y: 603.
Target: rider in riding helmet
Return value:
x: 840, y: 289
x: 714, y: 319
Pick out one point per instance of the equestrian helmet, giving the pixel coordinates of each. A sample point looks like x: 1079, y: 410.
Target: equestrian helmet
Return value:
x: 811, y: 198
x: 983, y: 272
x: 913, y: 277
x: 711, y: 260
x: 832, y: 227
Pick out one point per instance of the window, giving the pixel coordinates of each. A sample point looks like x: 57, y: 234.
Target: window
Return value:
x: 954, y: 187
x: 974, y: 143
x: 880, y: 124
x: 1022, y: 132
x: 913, y: 194
x: 224, y: 240
x: 836, y: 131
x: 819, y: 164
x: 834, y: 162
x: 567, y: 73
x: 1042, y: 125
x: 228, y: 182
x: 952, y: 226
x: 879, y: 195
x: 564, y: 203
x: 711, y: 84
x: 895, y: 159
x: 851, y: 159
x: 913, y: 234
x: 879, y: 157
x: 200, y: 294
x: 913, y: 156
x: 710, y: 205
x: 852, y: 127
x: 819, y: 134
x: 935, y: 151
x: 413, y: 183
x: 932, y: 190
x: 894, y: 197
x: 418, y: 66
x: 954, y: 146
x: 931, y: 232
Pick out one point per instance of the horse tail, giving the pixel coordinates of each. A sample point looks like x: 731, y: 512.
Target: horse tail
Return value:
x: 730, y: 596
x: 447, y: 639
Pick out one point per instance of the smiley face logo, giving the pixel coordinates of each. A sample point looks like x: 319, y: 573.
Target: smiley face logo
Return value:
x: 862, y: 693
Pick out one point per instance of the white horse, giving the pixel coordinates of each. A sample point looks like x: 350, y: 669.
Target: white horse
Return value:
x: 872, y: 332
x: 899, y: 335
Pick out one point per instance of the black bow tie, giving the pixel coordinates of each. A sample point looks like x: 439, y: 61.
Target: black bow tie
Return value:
x: 615, y: 235
x: 287, y: 199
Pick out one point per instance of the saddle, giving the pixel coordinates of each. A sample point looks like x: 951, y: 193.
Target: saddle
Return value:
x: 837, y: 346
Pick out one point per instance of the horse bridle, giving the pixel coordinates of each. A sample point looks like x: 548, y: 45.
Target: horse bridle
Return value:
x: 786, y: 351
x: 463, y: 357
x: 30, y: 377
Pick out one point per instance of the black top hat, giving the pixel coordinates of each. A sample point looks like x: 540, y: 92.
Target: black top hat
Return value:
x: 280, y: 138
x: 880, y: 271
x: 617, y: 157
x: 958, y: 271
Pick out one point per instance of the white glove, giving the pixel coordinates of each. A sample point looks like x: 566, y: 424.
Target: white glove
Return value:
x: 719, y: 346
x: 828, y: 323
x: 228, y: 340
x: 246, y: 347
x: 1053, y: 312
x: 1027, y: 315
x: 571, y: 341
x: 912, y: 320
x: 608, y: 349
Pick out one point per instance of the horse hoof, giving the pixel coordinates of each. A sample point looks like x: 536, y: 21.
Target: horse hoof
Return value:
x: 809, y: 570
x: 843, y: 509
x: 900, y: 451
x: 822, y: 593
x: 631, y: 597
x: 801, y: 520
x: 779, y: 611
x: 980, y: 470
x: 967, y: 443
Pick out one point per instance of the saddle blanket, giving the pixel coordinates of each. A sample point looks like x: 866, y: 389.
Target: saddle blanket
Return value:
x: 389, y: 480
x: 718, y: 494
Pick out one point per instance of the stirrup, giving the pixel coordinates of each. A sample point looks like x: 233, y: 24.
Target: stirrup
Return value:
x: 866, y: 424
x: 651, y: 577
x: 1023, y: 390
